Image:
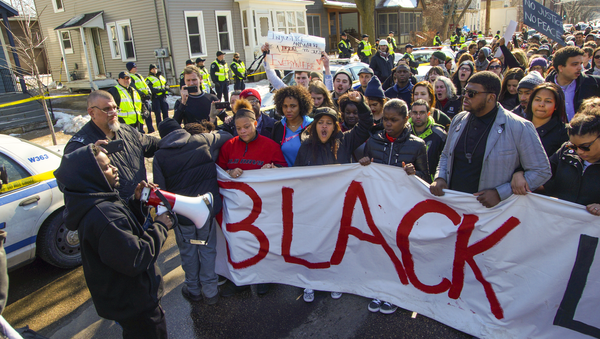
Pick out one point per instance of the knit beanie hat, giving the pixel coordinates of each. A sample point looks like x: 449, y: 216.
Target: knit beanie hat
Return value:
x: 343, y: 71
x: 530, y: 80
x: 167, y: 126
x: 374, y: 89
x: 468, y: 63
x: 440, y: 55
x: 539, y: 62
x: 486, y: 51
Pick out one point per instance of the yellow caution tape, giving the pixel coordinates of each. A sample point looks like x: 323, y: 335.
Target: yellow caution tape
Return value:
x: 39, y: 97
x: 257, y: 73
x: 27, y: 181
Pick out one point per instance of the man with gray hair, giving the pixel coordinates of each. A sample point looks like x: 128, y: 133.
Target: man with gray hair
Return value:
x: 104, y: 127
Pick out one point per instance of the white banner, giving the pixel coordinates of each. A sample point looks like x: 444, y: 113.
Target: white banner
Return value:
x: 523, y: 269
x: 296, y: 52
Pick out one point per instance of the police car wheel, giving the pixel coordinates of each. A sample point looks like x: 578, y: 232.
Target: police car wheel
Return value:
x: 56, y: 244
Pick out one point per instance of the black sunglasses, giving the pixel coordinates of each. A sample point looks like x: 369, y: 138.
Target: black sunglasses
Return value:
x: 583, y: 148
x: 469, y: 93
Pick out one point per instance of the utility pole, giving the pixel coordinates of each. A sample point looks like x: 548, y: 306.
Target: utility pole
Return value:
x: 488, y: 5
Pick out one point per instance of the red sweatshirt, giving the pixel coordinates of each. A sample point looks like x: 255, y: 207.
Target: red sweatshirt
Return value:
x: 235, y: 153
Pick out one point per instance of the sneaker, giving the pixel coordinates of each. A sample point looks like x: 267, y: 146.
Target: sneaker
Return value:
x: 189, y: 296
x: 375, y: 305
x: 309, y: 295
x: 262, y: 289
x: 212, y: 300
x: 336, y: 295
x: 387, y: 308
x: 221, y: 280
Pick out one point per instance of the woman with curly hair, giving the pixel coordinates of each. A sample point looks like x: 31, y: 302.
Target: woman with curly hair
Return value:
x: 320, y: 95
x: 509, y: 97
x: 294, y: 103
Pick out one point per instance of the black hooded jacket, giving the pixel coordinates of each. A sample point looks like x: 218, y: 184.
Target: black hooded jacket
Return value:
x: 119, y: 256
x: 130, y: 161
x: 184, y: 165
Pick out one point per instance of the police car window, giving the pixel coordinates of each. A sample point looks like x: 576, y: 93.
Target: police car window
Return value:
x: 355, y: 70
x: 14, y: 171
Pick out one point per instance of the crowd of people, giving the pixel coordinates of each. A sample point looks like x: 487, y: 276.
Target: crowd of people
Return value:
x: 524, y: 120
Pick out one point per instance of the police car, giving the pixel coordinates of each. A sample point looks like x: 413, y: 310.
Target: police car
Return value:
x: 422, y: 55
x: 31, y: 206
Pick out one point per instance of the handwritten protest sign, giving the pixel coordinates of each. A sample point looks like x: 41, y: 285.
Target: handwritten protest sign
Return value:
x: 543, y: 20
x: 526, y: 268
x: 296, y: 52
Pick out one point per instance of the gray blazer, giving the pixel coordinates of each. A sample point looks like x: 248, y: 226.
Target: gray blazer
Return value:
x: 512, y: 142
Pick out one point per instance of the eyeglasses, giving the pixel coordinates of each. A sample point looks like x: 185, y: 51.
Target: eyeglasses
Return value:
x: 465, y: 69
x: 253, y: 101
x: 583, y: 148
x: 471, y: 93
x: 496, y: 67
x: 109, y: 110
x: 597, y: 56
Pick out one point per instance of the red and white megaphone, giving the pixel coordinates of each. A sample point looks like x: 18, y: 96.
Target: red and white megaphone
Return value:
x: 197, y: 209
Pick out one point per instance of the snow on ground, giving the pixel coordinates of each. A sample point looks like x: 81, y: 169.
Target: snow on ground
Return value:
x: 261, y: 86
x: 70, y: 123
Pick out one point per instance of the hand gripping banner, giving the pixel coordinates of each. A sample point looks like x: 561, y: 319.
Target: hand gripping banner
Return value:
x: 527, y: 268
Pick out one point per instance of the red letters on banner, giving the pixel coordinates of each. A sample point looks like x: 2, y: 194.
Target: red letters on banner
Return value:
x: 463, y: 252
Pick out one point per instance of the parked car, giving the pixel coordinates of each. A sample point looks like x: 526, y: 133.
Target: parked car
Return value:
x: 31, y: 206
x: 268, y: 105
x: 422, y: 56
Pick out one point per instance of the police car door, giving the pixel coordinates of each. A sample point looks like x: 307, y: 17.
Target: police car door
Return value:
x: 21, y: 208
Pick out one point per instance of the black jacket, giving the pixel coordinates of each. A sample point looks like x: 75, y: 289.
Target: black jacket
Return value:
x: 185, y: 164
x: 553, y: 134
x: 130, y: 161
x: 587, y: 86
x: 570, y: 182
x: 382, y: 67
x: 452, y: 107
x: 321, y: 154
x: 435, y: 140
x: 118, y: 255
x: 441, y: 119
x: 406, y: 148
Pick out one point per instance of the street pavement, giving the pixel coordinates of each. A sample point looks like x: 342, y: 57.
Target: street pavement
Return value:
x: 57, y: 304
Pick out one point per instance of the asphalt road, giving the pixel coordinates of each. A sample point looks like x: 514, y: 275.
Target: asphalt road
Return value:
x: 57, y: 304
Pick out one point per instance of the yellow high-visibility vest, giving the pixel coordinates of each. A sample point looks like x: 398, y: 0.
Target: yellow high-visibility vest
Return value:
x: 139, y: 83
x: 158, y: 83
x: 366, y: 50
x: 130, y: 108
x: 223, y: 72
x: 240, y: 67
x: 205, y: 76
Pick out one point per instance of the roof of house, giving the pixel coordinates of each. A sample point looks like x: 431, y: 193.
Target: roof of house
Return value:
x: 84, y: 20
x: 9, y: 9
x: 340, y: 4
x: 397, y: 3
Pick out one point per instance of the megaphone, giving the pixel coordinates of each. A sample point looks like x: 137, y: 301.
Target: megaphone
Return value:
x: 197, y: 209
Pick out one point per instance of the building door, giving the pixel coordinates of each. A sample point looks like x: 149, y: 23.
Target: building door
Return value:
x: 97, y: 53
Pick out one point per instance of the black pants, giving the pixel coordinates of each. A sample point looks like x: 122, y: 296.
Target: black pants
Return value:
x: 159, y: 104
x: 148, y: 325
x: 222, y: 89
x: 239, y: 85
x: 365, y: 59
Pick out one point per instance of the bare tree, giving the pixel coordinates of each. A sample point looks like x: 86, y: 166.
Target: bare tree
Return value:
x: 581, y: 10
x: 28, y: 46
x: 366, y: 9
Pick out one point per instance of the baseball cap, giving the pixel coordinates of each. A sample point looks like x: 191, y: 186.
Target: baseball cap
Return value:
x: 408, y: 46
x: 200, y: 60
x: 365, y: 35
x: 124, y: 75
x: 250, y: 92
x: 189, y: 62
x: 366, y: 70
x: 219, y: 53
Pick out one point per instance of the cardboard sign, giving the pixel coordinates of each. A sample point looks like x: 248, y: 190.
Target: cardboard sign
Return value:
x: 296, y: 52
x: 526, y: 268
x: 543, y: 20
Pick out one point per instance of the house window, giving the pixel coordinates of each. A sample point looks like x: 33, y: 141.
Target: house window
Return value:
x: 313, y: 24
x: 126, y: 40
x: 281, y: 21
x: 410, y: 22
x: 387, y: 22
x: 245, y: 28
x: 58, y: 6
x: 194, y: 25
x: 255, y: 27
x: 301, y: 22
x: 67, y: 45
x: 113, y: 37
x: 224, y: 31
x: 291, y: 22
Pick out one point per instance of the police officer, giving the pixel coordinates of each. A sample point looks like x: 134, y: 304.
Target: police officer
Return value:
x: 453, y: 41
x: 181, y: 81
x: 344, y: 47
x: 463, y: 38
x: 219, y: 74
x: 364, y: 49
x: 205, y: 74
x: 392, y: 43
x: 437, y: 41
x: 129, y: 102
x: 497, y: 36
x: 480, y: 36
x: 158, y: 87
x: 412, y: 63
x: 139, y: 84
x: 239, y: 72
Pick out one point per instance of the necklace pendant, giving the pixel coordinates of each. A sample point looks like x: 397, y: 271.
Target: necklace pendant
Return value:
x: 469, y: 156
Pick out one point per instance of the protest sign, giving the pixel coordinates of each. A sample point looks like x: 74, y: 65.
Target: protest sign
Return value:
x: 510, y: 30
x: 527, y: 268
x: 543, y: 20
x: 297, y: 52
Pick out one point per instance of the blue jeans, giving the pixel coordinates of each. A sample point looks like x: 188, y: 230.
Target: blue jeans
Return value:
x: 198, y: 261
